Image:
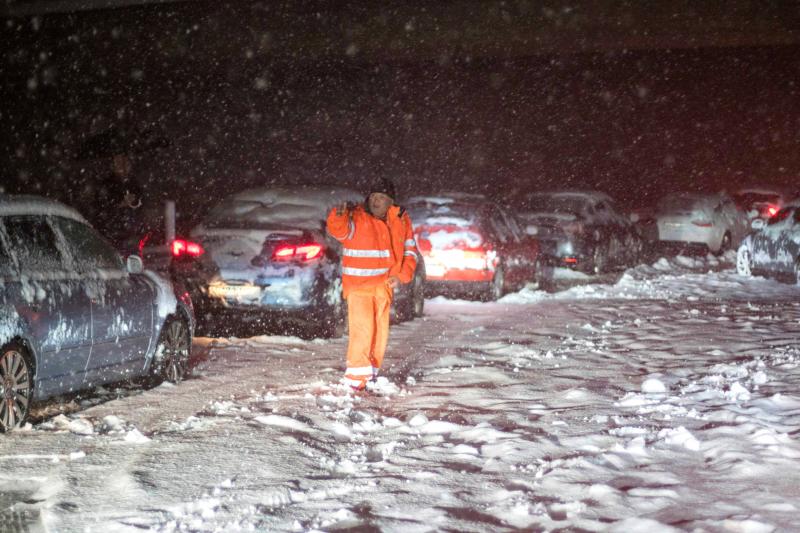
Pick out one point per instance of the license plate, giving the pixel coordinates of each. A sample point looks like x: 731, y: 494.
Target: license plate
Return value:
x: 236, y: 292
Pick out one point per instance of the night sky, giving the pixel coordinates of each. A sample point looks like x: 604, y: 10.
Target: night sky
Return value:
x: 498, y: 97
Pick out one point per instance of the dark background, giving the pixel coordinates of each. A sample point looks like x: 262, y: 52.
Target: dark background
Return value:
x: 634, y: 98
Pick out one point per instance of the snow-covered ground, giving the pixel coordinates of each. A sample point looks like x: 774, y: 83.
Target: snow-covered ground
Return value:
x: 664, y: 398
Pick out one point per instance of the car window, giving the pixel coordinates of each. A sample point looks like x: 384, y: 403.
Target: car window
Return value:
x: 88, y: 249
x: 513, y: 226
x: 33, y: 243
x: 498, y: 226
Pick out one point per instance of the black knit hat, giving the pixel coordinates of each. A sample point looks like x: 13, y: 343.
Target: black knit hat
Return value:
x: 382, y: 185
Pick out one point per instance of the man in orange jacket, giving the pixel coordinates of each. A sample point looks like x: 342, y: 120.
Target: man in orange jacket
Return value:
x: 379, y: 252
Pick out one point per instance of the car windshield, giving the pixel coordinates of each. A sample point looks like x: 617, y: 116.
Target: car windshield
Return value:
x: 570, y: 205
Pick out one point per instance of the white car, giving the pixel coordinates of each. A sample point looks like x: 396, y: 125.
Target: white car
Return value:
x: 710, y: 220
x: 774, y: 248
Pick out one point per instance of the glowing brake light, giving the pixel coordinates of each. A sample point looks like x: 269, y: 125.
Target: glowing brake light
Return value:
x: 305, y: 252
x: 702, y: 223
x: 771, y: 210
x: 181, y: 247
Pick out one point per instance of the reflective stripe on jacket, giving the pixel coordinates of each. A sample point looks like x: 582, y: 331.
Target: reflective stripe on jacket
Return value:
x: 373, y: 249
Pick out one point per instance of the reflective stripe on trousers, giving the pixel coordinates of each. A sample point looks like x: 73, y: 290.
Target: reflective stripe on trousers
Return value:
x: 368, y: 320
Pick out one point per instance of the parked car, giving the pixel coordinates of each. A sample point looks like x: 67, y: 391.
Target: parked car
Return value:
x: 712, y: 221
x: 264, y: 253
x: 759, y: 202
x: 581, y: 230
x: 73, y: 315
x: 773, y: 249
x: 472, y: 245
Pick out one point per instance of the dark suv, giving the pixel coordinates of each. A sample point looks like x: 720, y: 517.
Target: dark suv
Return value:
x: 73, y: 315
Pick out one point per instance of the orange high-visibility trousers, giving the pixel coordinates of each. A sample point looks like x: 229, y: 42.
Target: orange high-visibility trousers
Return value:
x: 368, y: 320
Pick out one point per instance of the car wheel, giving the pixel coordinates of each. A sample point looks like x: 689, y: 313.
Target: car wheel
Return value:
x: 496, y: 287
x: 744, y: 263
x: 171, y: 360
x: 16, y: 386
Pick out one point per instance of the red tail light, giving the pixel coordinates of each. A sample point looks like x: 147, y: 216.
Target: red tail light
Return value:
x: 771, y: 210
x: 702, y: 223
x: 181, y: 247
x: 289, y: 252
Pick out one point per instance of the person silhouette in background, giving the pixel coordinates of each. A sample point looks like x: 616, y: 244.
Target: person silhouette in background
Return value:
x: 119, y: 203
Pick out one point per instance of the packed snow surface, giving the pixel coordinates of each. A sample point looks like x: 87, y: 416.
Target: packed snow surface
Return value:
x: 665, y: 399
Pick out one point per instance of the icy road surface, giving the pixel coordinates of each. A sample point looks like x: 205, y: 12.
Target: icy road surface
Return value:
x: 665, y: 399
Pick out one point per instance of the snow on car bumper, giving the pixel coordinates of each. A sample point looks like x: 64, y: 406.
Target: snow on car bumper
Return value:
x: 689, y: 233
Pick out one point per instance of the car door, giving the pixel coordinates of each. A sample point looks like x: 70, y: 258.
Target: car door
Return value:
x: 122, y: 304
x: 788, y: 246
x: 51, y: 299
x: 767, y: 242
x: 526, y: 247
x: 604, y: 225
x: 508, y: 248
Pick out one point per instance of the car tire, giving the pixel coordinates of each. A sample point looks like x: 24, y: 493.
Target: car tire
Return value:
x: 16, y: 386
x: 171, y: 359
x: 744, y: 262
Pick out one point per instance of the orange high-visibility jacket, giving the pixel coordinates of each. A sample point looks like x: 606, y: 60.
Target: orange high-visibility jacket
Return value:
x: 373, y: 249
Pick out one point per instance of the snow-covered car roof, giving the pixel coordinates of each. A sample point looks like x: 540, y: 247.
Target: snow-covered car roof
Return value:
x: 446, y: 198
x: 449, y: 214
x: 24, y: 204
x: 301, y: 207
x: 588, y: 196
x: 761, y: 190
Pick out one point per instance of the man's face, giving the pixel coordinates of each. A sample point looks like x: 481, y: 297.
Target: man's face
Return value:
x: 379, y: 204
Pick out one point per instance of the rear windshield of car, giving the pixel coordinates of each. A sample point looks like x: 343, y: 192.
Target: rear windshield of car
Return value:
x: 750, y: 198
x: 448, y: 237
x: 241, y: 214
x: 682, y: 203
x: 422, y: 213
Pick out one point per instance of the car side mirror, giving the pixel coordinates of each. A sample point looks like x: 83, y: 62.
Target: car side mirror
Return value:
x: 134, y: 264
x: 758, y: 223
x: 531, y: 231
